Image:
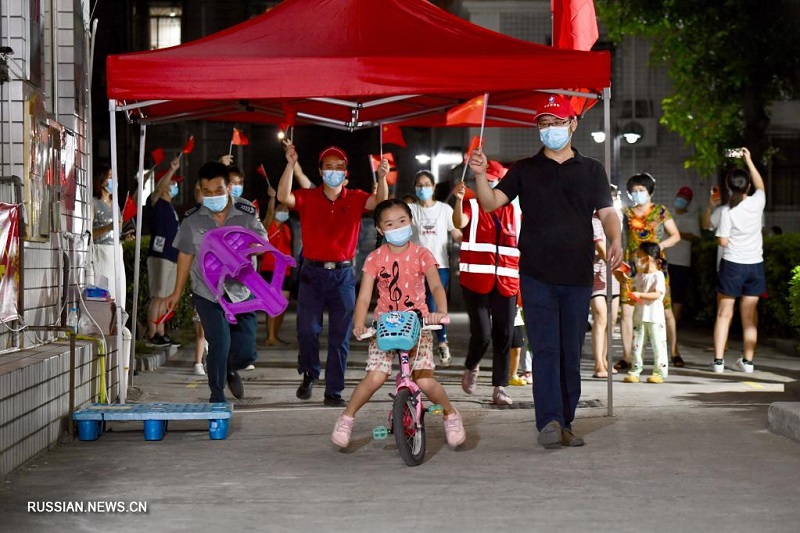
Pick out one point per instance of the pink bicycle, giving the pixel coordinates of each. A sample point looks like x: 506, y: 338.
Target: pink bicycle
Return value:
x: 399, y: 331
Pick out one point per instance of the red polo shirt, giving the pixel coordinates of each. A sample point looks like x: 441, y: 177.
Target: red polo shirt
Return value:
x: 329, y: 229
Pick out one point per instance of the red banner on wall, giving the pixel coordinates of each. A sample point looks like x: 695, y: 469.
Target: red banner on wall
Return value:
x: 9, y: 262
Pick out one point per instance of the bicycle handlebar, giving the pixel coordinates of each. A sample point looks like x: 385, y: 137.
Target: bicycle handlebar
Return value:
x: 371, y: 331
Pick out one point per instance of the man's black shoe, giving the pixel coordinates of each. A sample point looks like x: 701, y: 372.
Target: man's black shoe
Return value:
x: 304, y: 390
x: 235, y: 384
x: 334, y: 401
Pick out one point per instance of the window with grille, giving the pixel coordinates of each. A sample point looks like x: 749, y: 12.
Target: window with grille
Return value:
x: 165, y: 25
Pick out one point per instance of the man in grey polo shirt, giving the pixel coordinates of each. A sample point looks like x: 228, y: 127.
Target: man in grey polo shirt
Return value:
x: 231, y: 347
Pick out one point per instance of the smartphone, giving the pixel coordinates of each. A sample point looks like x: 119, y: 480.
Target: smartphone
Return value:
x: 734, y: 153
x: 715, y: 195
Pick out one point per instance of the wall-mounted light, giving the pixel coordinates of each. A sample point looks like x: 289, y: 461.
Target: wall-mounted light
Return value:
x: 598, y: 136
x: 632, y: 132
x: 422, y: 158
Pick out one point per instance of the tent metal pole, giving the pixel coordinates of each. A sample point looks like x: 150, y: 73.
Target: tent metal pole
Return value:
x: 609, y: 296
x: 137, y: 251
x: 118, y: 263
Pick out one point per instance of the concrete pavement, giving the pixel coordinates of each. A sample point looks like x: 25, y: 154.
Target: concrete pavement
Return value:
x: 692, y: 454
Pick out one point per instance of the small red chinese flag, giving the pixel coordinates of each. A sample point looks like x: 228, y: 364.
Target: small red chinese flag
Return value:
x: 189, y: 146
x: 391, y: 178
x: 239, y: 138
x: 376, y: 160
x: 261, y: 170
x: 470, y: 112
x: 392, y: 134
x: 129, y: 211
x: 158, y: 156
x: 255, y: 204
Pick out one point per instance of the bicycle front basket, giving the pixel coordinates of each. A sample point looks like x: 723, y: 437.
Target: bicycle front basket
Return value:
x: 398, y: 330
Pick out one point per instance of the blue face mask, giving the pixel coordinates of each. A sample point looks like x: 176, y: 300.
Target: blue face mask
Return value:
x: 173, y: 190
x: 110, y: 187
x: 640, y: 197
x: 399, y: 236
x: 424, y: 193
x: 282, y: 216
x: 555, y: 137
x: 236, y: 190
x: 681, y: 203
x: 494, y: 183
x: 333, y: 178
x: 215, y: 203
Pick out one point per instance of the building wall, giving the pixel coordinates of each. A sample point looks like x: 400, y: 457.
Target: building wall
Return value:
x: 50, y: 65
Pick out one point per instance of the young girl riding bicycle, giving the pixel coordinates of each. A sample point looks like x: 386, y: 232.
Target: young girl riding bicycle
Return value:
x: 399, y: 269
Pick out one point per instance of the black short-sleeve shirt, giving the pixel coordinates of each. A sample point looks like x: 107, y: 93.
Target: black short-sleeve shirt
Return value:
x: 557, y: 202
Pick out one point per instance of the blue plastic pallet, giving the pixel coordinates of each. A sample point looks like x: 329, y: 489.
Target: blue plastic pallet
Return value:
x: 91, y: 419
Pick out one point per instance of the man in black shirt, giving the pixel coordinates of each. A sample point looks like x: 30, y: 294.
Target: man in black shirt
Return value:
x: 559, y: 189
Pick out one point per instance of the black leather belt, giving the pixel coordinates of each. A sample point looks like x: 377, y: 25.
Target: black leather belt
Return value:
x: 328, y: 265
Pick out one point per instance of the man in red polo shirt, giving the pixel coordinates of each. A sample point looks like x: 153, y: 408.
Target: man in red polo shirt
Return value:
x: 330, y: 220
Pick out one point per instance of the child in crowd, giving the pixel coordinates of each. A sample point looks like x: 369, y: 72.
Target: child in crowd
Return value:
x: 517, y: 344
x: 648, y: 316
x: 399, y: 269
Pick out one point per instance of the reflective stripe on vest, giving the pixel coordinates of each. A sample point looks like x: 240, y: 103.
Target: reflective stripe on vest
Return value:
x: 486, y: 263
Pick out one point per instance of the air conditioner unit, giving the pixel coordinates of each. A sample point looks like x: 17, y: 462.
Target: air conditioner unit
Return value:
x: 646, y: 127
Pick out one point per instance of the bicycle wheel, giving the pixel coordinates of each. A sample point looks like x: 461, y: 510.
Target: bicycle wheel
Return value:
x: 409, y: 431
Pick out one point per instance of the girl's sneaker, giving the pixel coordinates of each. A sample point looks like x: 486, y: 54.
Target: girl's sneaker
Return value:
x: 454, y: 429
x: 199, y: 370
x: 655, y: 378
x: 342, y: 431
x: 631, y: 379
x: 528, y: 377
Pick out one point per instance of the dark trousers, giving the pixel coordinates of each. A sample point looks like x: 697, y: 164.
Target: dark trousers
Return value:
x: 491, y: 319
x: 555, y: 319
x: 444, y: 276
x: 230, y: 346
x: 320, y: 288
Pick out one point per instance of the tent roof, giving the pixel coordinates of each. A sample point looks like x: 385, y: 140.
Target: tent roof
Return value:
x: 348, y: 64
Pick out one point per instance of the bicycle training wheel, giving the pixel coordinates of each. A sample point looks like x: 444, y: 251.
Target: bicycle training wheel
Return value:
x: 409, y: 431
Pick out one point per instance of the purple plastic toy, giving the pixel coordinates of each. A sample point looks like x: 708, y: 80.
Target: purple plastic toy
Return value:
x: 226, y: 253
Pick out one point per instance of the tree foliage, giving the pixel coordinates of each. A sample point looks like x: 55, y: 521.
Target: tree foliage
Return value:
x: 727, y: 59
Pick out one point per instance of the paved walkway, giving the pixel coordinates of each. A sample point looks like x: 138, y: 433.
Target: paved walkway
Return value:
x: 693, y: 454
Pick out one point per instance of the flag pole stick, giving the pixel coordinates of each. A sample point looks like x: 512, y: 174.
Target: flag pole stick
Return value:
x: 480, y: 136
x: 371, y: 166
x: 380, y: 138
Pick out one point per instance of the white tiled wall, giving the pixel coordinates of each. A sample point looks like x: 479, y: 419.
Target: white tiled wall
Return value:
x: 34, y: 382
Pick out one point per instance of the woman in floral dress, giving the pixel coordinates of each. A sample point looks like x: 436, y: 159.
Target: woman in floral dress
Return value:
x: 645, y: 221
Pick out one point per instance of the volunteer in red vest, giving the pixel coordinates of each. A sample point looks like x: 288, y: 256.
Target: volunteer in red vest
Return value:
x: 330, y: 220
x: 489, y: 279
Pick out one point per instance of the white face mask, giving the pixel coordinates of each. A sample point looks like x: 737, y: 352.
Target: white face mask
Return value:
x: 282, y: 216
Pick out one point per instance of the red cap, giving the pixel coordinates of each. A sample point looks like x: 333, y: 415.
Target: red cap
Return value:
x: 495, y: 171
x: 686, y: 192
x: 332, y: 150
x: 160, y: 174
x: 556, y: 105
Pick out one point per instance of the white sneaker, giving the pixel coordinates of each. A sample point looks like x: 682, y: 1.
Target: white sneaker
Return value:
x: 717, y: 366
x: 744, y: 366
x: 444, y: 356
x: 500, y: 397
x: 199, y: 370
x: 250, y: 367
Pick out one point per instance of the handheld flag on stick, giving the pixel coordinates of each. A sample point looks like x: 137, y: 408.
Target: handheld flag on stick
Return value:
x: 238, y: 139
x: 470, y: 113
x: 188, y: 147
x: 375, y: 160
x: 158, y: 156
x: 261, y: 171
x: 392, y: 134
x: 484, y: 104
x: 129, y: 211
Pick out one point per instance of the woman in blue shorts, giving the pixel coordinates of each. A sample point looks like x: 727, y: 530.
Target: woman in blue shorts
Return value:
x: 741, y: 271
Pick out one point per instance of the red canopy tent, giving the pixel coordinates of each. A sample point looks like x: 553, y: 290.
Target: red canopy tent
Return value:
x: 346, y: 64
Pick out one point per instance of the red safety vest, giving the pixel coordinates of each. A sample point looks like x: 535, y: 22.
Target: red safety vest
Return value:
x: 488, y: 256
